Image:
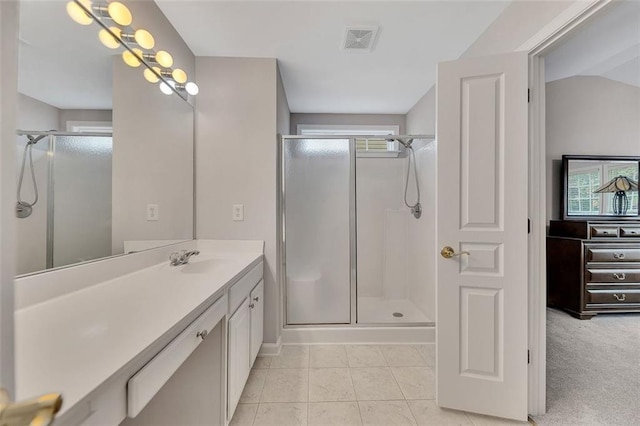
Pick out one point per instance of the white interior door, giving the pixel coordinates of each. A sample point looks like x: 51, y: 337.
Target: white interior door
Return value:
x: 482, y: 210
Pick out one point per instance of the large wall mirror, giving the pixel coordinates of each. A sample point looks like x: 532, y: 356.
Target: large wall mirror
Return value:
x: 600, y: 187
x: 104, y: 159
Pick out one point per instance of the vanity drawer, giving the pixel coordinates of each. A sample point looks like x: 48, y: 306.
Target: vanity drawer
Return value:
x: 612, y: 275
x: 613, y: 254
x: 613, y: 297
x: 630, y: 232
x: 603, y: 231
x: 143, y: 386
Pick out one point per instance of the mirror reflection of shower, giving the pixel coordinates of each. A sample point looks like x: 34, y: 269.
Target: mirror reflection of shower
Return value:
x: 25, y: 208
x: 416, y: 208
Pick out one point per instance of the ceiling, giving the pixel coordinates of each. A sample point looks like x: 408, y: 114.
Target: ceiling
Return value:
x: 306, y: 37
x: 62, y: 63
x: 608, y: 46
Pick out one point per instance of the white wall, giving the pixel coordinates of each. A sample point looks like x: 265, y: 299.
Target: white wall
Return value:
x: 83, y: 115
x: 236, y: 127
x: 31, y: 232
x: 422, y: 243
x: 348, y: 119
x: 588, y: 116
x: 152, y: 143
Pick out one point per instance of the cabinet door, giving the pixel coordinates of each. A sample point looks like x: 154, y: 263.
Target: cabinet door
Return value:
x: 257, y: 319
x: 238, y: 358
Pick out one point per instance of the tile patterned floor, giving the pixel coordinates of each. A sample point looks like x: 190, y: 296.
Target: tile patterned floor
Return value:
x: 346, y: 385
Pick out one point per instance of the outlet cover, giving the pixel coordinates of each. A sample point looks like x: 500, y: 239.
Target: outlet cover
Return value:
x: 153, y: 212
x: 238, y: 212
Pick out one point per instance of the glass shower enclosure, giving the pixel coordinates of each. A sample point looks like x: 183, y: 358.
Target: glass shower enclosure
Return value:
x: 66, y: 170
x: 346, y: 233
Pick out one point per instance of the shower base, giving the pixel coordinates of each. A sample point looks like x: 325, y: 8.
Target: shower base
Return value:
x: 377, y: 310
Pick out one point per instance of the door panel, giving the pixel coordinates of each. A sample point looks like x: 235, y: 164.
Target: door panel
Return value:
x: 482, y: 214
x: 257, y: 320
x: 238, y: 365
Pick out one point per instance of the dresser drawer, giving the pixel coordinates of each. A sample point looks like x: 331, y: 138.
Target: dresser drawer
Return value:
x: 612, y: 276
x: 630, y: 232
x: 603, y: 231
x: 613, y: 297
x: 613, y: 254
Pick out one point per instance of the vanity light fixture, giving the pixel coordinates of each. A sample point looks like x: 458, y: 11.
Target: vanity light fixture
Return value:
x: 115, y: 19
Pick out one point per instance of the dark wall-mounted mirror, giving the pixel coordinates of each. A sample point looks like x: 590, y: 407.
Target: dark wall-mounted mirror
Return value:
x: 600, y: 187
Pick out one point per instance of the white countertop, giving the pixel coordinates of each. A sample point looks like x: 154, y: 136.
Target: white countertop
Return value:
x: 73, y: 343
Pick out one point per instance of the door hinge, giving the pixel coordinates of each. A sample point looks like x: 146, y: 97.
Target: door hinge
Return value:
x: 528, y: 226
x: 528, y: 95
x: 528, y: 357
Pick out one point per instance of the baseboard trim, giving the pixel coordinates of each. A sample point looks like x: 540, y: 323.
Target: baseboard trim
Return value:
x: 271, y: 349
x: 358, y: 335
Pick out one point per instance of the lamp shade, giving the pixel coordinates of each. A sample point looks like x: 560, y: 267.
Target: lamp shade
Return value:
x: 144, y: 39
x: 618, y: 183
x: 179, y: 76
x: 107, y: 39
x: 120, y: 13
x: 164, y: 58
x: 150, y: 76
x: 131, y: 59
x: 78, y: 14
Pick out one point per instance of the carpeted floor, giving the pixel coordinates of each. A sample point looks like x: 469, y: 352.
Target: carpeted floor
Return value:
x: 593, y: 370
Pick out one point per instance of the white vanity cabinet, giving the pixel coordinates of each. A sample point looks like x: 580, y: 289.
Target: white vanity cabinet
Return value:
x: 245, y: 331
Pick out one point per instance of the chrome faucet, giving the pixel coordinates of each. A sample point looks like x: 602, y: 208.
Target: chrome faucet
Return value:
x: 181, y: 258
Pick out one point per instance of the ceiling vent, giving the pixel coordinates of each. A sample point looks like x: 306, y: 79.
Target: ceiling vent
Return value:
x: 359, y: 39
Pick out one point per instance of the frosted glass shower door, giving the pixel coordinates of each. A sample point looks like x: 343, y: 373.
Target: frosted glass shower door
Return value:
x: 317, y: 214
x: 81, y: 199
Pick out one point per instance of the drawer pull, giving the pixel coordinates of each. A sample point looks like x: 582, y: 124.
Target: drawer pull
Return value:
x: 256, y: 299
x: 252, y: 306
x: 621, y: 277
x: 618, y: 255
x: 202, y: 334
x: 620, y: 298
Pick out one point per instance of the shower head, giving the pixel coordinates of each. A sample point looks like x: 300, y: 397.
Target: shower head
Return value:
x: 33, y: 141
x: 406, y: 142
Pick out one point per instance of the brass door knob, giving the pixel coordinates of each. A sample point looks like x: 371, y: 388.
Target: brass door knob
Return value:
x: 448, y: 252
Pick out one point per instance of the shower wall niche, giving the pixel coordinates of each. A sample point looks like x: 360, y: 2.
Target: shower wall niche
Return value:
x: 353, y: 251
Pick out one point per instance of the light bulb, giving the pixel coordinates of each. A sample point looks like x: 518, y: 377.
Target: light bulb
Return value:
x: 108, y: 40
x: 179, y: 76
x: 78, y: 14
x: 119, y: 13
x: 192, y: 88
x: 131, y: 59
x: 150, y: 76
x: 164, y: 58
x: 165, y: 88
x: 144, y: 39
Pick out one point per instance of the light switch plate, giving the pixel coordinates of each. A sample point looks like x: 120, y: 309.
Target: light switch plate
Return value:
x: 153, y: 212
x: 238, y: 212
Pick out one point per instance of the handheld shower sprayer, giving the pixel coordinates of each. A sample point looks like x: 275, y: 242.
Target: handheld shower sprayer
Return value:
x: 416, y: 209
x: 24, y: 208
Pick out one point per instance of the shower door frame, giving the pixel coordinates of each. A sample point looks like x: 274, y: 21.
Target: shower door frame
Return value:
x: 51, y: 149
x: 353, y: 232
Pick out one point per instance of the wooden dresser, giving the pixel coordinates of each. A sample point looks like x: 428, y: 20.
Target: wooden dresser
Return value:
x: 593, y: 267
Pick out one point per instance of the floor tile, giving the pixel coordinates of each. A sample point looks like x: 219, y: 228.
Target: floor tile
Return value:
x: 286, y: 385
x: 334, y: 413
x: 330, y: 384
x: 291, y: 357
x: 365, y: 356
x: 386, y: 413
x: 428, y: 352
x: 253, y: 388
x: 375, y: 384
x: 244, y: 415
x: 288, y: 414
x: 428, y: 413
x: 322, y: 356
x: 402, y: 356
x: 415, y: 382
x: 263, y: 362
x: 480, y: 420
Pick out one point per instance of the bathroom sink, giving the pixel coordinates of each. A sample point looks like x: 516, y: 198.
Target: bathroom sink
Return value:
x: 200, y: 266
